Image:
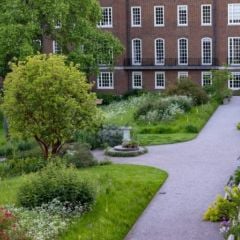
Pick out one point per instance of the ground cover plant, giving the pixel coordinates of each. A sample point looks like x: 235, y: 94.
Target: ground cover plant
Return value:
x: 182, y: 122
x: 226, y: 209
x: 122, y: 195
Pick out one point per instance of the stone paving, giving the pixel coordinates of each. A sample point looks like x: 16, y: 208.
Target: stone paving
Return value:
x: 198, y: 171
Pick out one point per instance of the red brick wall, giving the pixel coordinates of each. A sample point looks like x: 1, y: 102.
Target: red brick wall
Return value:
x: 219, y: 32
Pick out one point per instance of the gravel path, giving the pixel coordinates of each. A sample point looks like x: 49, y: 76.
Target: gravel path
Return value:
x: 198, y: 171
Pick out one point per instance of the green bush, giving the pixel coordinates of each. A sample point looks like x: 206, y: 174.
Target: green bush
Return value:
x: 222, y: 209
x: 238, y: 126
x: 237, y: 177
x: 56, y: 181
x: 189, y: 88
x: 157, y: 130
x: 16, y: 167
x: 158, y: 109
x: 191, y: 129
x: 134, y: 93
x: 108, y: 98
x: 110, y: 135
x: 24, y: 145
x: 80, y: 156
x: 6, y: 150
x: 15, y: 148
x: 89, y: 137
x: 220, y: 85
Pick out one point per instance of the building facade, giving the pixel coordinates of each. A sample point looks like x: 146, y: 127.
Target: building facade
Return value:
x: 167, y: 40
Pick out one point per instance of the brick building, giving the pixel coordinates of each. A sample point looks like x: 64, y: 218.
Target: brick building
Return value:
x: 167, y: 40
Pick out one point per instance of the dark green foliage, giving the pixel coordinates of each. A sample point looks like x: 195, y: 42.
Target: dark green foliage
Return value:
x: 24, y: 146
x: 110, y: 135
x: 191, y: 89
x: 237, y: 176
x: 80, y: 156
x: 220, y: 89
x: 108, y: 98
x: 89, y: 137
x: 191, y: 129
x: 6, y: 150
x: 19, y: 149
x: 19, y: 31
x: 157, y: 130
x: 16, y: 167
x: 56, y: 182
x: 134, y: 93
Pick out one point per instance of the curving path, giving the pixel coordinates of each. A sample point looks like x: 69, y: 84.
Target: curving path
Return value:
x: 198, y: 171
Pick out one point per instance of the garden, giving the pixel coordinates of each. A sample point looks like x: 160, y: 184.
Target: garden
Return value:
x: 177, y: 115
x: 226, y: 210
x: 51, y: 185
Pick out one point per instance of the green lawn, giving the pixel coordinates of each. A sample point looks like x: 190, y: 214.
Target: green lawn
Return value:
x: 184, y: 128
x: 124, y: 191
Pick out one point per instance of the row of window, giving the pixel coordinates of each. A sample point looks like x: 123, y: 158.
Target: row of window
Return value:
x: 105, y: 80
x: 206, y: 51
x: 182, y: 15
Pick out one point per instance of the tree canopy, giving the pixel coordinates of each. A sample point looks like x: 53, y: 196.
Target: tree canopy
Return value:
x: 72, y: 23
x: 47, y: 100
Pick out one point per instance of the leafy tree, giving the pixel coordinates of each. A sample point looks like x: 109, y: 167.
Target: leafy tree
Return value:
x: 49, y: 101
x: 219, y: 88
x: 26, y: 24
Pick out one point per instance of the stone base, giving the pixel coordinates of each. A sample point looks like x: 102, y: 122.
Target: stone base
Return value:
x: 125, y: 152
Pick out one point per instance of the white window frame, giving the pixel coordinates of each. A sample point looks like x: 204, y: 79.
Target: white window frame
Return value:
x: 134, y: 58
x: 163, y: 51
x: 111, y: 79
x: 179, y: 52
x: 204, y: 40
x: 202, y: 15
x: 231, y: 59
x: 178, y: 16
x: 133, y: 80
x: 181, y: 74
x: 231, y: 14
x: 110, y: 18
x: 55, y: 46
x: 231, y: 79
x: 203, y: 74
x: 155, y: 16
x: 132, y: 16
x: 164, y: 80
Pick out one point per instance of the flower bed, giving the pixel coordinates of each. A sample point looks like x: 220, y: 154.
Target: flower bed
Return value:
x: 226, y: 210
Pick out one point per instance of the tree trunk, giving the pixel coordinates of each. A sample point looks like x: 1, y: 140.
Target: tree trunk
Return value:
x: 56, y: 147
x: 44, y: 147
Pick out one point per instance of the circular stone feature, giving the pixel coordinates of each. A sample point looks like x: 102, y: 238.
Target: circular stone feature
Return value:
x: 120, y: 148
x: 126, y: 152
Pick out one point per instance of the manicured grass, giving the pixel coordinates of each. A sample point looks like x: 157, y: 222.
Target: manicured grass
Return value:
x: 124, y: 191
x: 184, y: 128
x: 159, y: 139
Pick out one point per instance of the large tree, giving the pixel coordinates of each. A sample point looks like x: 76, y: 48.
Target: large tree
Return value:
x: 48, y: 100
x: 72, y: 23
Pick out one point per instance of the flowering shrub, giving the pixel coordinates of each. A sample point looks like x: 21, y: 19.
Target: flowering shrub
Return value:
x: 110, y: 135
x: 7, y: 222
x: 39, y: 224
x: 45, y: 222
x: 9, y: 226
x: 56, y: 181
x: 227, y: 210
x: 161, y: 109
